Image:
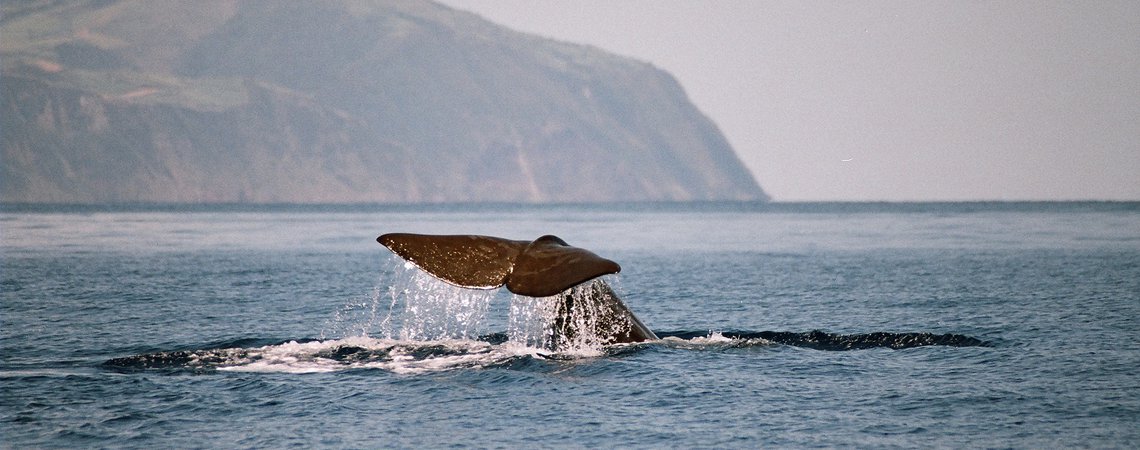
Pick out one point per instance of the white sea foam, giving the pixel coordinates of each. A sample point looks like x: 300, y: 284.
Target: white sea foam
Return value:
x: 713, y: 339
x: 359, y: 352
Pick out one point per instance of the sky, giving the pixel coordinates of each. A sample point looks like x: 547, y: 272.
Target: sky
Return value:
x: 890, y: 100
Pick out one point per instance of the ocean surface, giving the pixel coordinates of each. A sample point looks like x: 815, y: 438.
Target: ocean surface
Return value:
x: 783, y: 325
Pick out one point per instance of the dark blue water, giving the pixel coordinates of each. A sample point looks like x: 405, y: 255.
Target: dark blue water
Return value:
x: 232, y: 327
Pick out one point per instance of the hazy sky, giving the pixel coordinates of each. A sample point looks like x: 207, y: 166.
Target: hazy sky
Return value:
x: 898, y: 100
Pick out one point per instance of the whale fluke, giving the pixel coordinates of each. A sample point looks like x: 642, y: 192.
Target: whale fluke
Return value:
x: 480, y: 262
x: 545, y: 267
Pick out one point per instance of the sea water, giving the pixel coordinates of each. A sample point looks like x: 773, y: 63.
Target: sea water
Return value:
x: 783, y: 325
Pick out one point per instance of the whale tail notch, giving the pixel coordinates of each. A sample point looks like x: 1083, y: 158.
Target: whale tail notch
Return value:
x: 545, y: 267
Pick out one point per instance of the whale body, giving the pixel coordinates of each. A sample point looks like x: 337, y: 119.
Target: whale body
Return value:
x: 545, y: 267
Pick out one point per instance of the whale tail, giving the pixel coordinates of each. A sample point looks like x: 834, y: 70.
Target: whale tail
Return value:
x: 545, y: 267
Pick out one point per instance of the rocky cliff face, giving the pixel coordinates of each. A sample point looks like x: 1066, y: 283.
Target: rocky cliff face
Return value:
x: 339, y: 101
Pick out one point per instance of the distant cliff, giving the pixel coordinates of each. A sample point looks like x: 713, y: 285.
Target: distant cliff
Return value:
x: 335, y: 101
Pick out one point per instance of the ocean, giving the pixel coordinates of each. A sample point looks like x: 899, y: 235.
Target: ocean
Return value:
x: 870, y: 325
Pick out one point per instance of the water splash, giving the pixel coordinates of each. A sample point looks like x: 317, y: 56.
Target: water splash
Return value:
x: 409, y: 304
x: 436, y: 310
x: 581, y: 321
x: 360, y: 315
x: 530, y: 322
x: 357, y: 317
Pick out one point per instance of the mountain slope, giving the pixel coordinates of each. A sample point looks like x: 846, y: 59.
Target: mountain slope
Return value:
x: 339, y: 101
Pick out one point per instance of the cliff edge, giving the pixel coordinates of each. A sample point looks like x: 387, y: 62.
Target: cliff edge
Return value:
x: 336, y: 102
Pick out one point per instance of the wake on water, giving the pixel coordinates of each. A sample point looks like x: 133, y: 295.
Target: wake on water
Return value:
x: 420, y: 324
